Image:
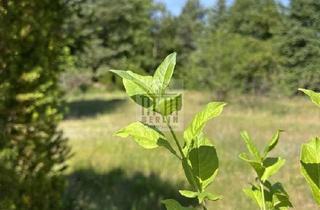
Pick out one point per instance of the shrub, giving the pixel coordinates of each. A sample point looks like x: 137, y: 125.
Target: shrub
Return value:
x: 33, y: 151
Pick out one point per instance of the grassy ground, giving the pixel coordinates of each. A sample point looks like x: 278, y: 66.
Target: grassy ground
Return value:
x: 109, y: 173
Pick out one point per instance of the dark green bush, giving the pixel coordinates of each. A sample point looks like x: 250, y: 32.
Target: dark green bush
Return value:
x: 32, y: 150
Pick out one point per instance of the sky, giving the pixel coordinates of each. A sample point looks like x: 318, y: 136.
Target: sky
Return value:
x: 175, y: 6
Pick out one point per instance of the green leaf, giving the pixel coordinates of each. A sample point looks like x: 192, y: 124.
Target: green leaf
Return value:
x: 250, y: 145
x: 212, y: 110
x: 169, y: 105
x: 273, y: 143
x: 310, y: 166
x: 280, y: 197
x: 188, y: 193
x: 207, y: 195
x: 136, y: 84
x: 174, y: 205
x: 254, y: 193
x: 204, y: 164
x: 198, y: 141
x: 137, y: 94
x: 142, y: 134
x: 163, y: 74
x: 274, y: 195
x: 202, y: 196
x: 264, y: 169
x: 314, y: 96
x: 272, y: 166
x: 256, y: 165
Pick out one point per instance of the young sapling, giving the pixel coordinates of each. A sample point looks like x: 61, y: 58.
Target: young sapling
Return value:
x: 268, y: 196
x: 197, y: 154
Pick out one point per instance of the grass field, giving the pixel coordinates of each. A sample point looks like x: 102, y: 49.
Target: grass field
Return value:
x: 109, y: 173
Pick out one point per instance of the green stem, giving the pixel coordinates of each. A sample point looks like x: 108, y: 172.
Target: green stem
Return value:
x: 184, y: 158
x: 204, y: 206
x: 263, y: 198
x: 175, y: 139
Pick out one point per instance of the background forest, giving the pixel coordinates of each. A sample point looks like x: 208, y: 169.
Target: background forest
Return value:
x: 249, y: 46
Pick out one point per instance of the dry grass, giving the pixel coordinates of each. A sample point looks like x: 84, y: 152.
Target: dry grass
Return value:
x: 95, y: 148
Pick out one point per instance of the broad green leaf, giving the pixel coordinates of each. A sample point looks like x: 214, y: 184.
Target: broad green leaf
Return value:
x: 204, y: 164
x: 137, y: 94
x: 272, y: 166
x: 265, y: 169
x: 310, y: 166
x: 314, y: 96
x: 169, y: 105
x: 256, y: 165
x: 212, y: 110
x: 273, y: 143
x: 206, y: 195
x: 142, y: 134
x: 136, y: 84
x: 188, y: 193
x: 174, y: 205
x: 198, y: 141
x: 250, y: 145
x: 163, y: 74
x: 254, y: 194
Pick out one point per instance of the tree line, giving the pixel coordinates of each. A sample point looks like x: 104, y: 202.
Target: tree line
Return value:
x: 250, y: 46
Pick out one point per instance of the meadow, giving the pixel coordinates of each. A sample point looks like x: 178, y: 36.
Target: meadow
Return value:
x: 109, y: 173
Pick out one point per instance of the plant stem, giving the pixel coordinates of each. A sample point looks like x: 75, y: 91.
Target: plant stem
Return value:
x: 175, y: 139
x: 204, y: 206
x: 262, y: 195
x: 184, y: 158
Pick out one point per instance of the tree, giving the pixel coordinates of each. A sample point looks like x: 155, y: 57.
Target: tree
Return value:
x: 257, y: 18
x: 299, y: 46
x: 113, y: 33
x: 228, y: 62
x: 164, y: 36
x: 306, y: 13
x: 32, y: 149
x: 190, y: 26
x: 218, y: 15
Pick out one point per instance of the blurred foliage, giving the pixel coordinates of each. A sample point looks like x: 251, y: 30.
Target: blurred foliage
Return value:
x: 257, y: 18
x: 112, y: 34
x: 33, y: 151
x: 255, y: 47
x: 299, y: 46
x: 190, y: 24
x: 230, y: 62
x: 250, y: 46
